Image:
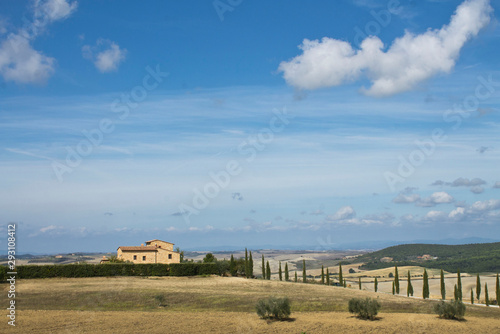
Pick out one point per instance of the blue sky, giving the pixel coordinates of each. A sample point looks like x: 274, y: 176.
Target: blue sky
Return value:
x: 248, y: 124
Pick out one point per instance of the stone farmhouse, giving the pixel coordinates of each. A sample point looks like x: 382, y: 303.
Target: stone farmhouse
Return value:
x: 155, y: 251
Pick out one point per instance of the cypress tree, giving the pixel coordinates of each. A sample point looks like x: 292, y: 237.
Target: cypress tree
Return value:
x: 425, y: 288
x: 393, y: 288
x: 345, y: 283
x: 471, y: 296
x: 268, y: 271
x: 232, y: 266
x: 455, y: 293
x: 279, y: 272
x: 459, y: 285
x: 396, y: 279
x: 478, y: 288
x: 486, y: 296
x: 327, y: 277
x: 287, y: 278
x: 360, y: 283
x: 296, y: 277
x: 322, y: 275
x: 250, y: 264
x: 375, y: 285
x: 443, y: 286
x: 341, y: 277
x: 263, y: 268
x: 497, y: 290
x: 304, y: 277
x: 409, y: 290
x: 247, y: 270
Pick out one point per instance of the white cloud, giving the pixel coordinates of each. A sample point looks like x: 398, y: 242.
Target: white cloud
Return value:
x: 345, y: 212
x: 435, y: 216
x: 410, y: 59
x: 497, y: 185
x: 54, y: 10
x: 406, y: 198
x: 20, y: 63
x: 488, y: 205
x: 106, y: 55
x: 439, y: 197
x: 457, y: 214
x: 48, y: 228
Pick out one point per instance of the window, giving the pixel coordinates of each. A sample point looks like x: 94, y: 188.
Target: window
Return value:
x: 170, y: 256
x: 144, y: 258
x: 135, y: 257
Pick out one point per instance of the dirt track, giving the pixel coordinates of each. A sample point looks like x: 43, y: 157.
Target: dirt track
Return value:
x: 239, y: 322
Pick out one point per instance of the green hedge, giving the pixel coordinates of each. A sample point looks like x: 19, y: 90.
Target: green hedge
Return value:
x: 117, y: 269
x: 3, y: 273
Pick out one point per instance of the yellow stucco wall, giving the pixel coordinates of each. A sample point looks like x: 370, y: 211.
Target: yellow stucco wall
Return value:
x: 161, y: 256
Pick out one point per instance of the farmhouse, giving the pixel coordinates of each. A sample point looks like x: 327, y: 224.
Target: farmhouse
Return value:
x: 155, y: 251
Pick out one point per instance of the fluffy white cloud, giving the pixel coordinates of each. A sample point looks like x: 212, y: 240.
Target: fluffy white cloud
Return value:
x: 407, y: 196
x: 106, y: 55
x: 439, y: 197
x: 483, y: 206
x: 410, y: 59
x: 435, y: 216
x: 19, y: 61
x: 457, y: 214
x: 54, y: 10
x: 345, y: 212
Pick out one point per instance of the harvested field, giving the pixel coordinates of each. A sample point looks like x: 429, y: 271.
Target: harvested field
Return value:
x: 217, y: 305
x: 238, y: 322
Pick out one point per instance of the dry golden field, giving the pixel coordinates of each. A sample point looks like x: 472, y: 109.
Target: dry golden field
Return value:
x: 217, y: 305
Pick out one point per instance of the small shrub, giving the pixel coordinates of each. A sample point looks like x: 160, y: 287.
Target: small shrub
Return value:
x: 364, y: 308
x: 454, y: 309
x: 160, y: 299
x: 272, y: 307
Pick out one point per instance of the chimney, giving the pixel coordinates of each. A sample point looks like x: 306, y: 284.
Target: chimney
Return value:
x: 142, y: 245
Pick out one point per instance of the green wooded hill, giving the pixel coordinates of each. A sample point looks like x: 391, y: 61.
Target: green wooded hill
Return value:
x: 471, y: 258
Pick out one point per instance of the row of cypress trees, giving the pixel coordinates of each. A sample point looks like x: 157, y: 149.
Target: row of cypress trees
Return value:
x: 458, y: 294
x: 325, y: 278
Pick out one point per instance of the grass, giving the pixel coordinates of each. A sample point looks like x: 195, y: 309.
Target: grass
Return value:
x: 185, y: 294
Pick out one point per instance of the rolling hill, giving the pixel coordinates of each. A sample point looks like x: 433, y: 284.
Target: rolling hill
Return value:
x: 471, y: 258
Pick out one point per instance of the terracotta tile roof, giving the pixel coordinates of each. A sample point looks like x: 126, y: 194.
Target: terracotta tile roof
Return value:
x: 137, y: 248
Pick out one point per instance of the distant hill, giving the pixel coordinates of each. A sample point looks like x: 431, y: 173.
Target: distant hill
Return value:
x: 471, y: 258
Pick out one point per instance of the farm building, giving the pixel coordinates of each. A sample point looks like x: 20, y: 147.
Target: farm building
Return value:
x: 155, y: 251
